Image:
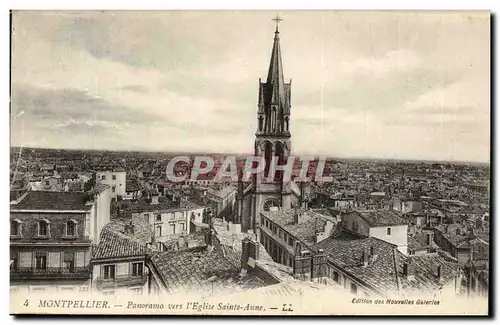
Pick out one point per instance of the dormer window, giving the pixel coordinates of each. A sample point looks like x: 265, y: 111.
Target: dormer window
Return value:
x: 71, y: 228
x: 15, y: 227
x: 43, y: 227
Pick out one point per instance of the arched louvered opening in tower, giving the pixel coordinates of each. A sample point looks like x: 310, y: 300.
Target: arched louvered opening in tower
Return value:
x: 280, y: 154
x: 268, y: 155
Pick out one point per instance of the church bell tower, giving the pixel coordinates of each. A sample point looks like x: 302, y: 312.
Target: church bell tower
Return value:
x: 273, y: 137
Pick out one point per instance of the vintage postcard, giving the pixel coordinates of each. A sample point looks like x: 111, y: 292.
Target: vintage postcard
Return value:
x: 163, y: 162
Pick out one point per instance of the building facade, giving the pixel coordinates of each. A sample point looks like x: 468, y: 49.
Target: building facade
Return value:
x: 51, y: 236
x: 116, y: 179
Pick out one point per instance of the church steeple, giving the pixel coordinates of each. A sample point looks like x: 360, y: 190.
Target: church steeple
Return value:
x: 275, y: 74
x: 274, y: 95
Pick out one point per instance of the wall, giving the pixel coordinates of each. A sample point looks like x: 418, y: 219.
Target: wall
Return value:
x: 26, y: 255
x: 345, y: 281
x: 119, y: 183
x: 26, y: 287
x: 123, y: 270
x: 362, y: 226
x: 398, y: 236
x: 99, y: 214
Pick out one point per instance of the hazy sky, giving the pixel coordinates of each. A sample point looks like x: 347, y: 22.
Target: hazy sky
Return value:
x: 379, y: 84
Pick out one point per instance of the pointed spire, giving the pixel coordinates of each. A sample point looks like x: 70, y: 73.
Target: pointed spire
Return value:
x: 275, y: 73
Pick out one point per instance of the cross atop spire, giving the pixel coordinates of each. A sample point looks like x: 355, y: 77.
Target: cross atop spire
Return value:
x: 277, y: 19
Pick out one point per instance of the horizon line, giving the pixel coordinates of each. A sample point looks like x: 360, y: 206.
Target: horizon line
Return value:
x: 242, y: 154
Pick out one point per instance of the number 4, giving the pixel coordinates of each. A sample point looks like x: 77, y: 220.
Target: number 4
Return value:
x: 26, y: 303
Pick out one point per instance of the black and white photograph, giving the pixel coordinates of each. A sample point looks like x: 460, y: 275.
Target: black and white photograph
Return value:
x: 250, y: 162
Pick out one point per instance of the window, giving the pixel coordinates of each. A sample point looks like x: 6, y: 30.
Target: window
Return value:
x: 172, y: 228
x: 108, y: 293
x: 113, y: 177
x: 109, y: 271
x: 146, y: 217
x: 290, y: 241
x: 158, y: 218
x: 47, y: 183
x: 15, y: 228
x: 69, y: 261
x: 103, y: 177
x: 37, y: 289
x: 354, y: 226
x: 158, y: 231
x: 388, y: 231
x: 354, y: 288
x: 113, y: 189
x: 182, y: 226
x: 336, y: 277
x: 43, y: 228
x: 40, y: 260
x: 71, y: 228
x: 84, y: 289
x: 14, y: 260
x: 137, y: 269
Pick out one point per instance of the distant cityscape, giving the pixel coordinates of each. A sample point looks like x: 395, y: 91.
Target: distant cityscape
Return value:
x: 119, y: 210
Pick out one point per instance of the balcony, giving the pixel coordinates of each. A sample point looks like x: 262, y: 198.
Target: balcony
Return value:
x: 26, y: 273
x: 121, y: 280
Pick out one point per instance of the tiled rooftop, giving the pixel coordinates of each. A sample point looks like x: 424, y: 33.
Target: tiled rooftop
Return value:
x: 143, y: 232
x: 378, y: 218
x: 201, y: 271
x: 426, y: 279
x: 385, y: 272
x: 309, y: 225
x: 41, y: 200
x: 114, y: 244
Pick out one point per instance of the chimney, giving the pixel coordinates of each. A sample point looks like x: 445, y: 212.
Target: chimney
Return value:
x: 129, y: 229
x: 409, y: 270
x: 245, y: 253
x: 373, y: 253
x: 296, y: 217
x: 438, y: 273
x: 209, y: 238
x: 429, y: 238
x: 366, y: 257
